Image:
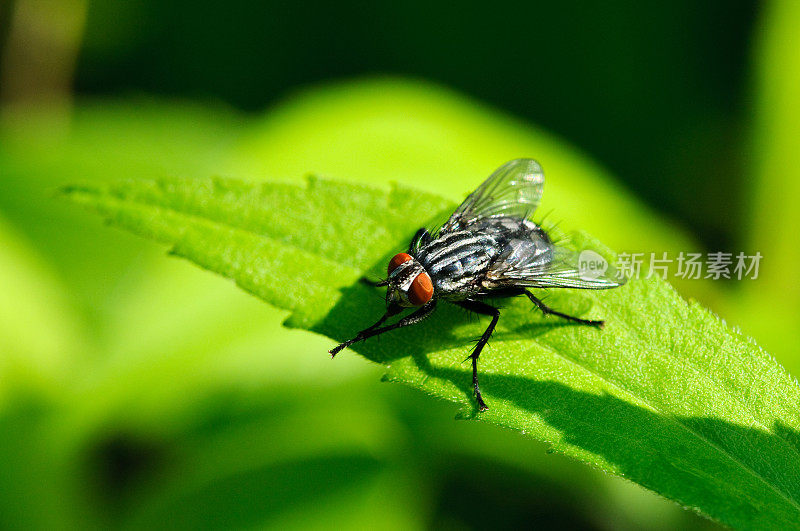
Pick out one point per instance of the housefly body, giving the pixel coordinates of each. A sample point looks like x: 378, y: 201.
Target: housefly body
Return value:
x: 488, y: 248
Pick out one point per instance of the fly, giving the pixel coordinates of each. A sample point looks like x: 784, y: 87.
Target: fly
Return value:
x: 488, y: 248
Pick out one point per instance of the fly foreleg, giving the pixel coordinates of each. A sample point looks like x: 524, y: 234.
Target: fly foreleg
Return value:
x: 483, y: 309
x: 374, y: 283
x: 549, y: 311
x: 377, y: 329
x: 422, y: 237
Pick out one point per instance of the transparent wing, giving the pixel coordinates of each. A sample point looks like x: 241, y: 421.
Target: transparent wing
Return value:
x: 513, y: 190
x: 537, y: 264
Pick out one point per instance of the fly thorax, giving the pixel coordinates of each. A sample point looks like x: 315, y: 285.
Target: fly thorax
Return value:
x: 409, y: 283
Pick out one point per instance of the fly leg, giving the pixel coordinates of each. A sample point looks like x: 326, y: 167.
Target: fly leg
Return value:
x: 483, y: 309
x: 374, y: 283
x: 549, y: 311
x: 422, y: 237
x: 377, y: 329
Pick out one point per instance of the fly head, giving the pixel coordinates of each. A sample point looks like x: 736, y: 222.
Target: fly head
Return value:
x: 409, y: 284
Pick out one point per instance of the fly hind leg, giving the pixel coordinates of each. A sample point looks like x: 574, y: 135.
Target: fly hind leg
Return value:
x: 483, y: 309
x: 549, y: 311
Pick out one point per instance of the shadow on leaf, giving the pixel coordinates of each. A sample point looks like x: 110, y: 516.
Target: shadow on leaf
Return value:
x: 449, y: 327
x: 698, y: 461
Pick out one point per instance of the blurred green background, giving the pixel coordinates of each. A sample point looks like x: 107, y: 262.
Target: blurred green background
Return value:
x: 138, y: 391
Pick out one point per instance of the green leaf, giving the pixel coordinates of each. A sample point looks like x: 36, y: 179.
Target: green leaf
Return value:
x: 666, y: 395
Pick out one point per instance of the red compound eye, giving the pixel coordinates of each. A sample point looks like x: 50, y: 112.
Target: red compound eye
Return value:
x: 399, y: 258
x: 421, y: 290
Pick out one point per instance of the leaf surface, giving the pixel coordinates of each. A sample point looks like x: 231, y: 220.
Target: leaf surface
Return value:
x: 666, y: 395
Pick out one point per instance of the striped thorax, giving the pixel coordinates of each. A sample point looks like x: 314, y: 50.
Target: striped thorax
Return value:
x: 458, y: 261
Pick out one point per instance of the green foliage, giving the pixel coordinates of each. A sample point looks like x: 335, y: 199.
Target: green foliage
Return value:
x: 110, y: 342
x: 666, y: 396
x: 769, y: 306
